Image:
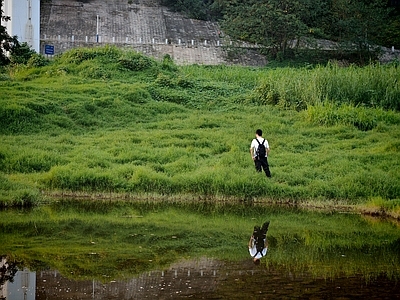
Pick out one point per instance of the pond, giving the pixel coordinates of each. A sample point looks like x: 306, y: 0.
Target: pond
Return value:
x: 94, y: 249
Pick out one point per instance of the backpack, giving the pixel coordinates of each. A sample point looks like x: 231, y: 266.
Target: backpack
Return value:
x: 259, y: 237
x: 260, y: 234
x: 261, y: 151
x: 260, y: 245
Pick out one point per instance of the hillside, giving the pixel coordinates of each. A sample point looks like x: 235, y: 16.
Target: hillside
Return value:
x: 113, y: 123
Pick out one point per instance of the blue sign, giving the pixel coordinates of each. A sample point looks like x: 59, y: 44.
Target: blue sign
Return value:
x: 49, y: 49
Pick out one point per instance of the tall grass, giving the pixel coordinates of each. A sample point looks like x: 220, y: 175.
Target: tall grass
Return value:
x: 371, y: 86
x: 153, y: 127
x: 363, y: 118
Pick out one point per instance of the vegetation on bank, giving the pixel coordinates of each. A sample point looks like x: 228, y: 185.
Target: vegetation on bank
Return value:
x: 120, y: 239
x: 106, y: 120
x: 355, y: 25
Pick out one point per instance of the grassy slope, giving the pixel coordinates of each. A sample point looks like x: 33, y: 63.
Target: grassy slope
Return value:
x: 105, y: 121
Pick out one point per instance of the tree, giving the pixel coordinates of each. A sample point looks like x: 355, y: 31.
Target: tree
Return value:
x: 196, y: 9
x: 271, y: 23
x: 358, y: 24
x: 21, y: 53
x: 6, y: 41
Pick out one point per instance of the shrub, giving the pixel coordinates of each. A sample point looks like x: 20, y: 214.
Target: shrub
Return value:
x: 135, y: 61
x: 168, y: 64
x: 169, y: 95
x: 21, y: 53
x: 137, y: 94
x: 37, y: 60
x: 79, y: 55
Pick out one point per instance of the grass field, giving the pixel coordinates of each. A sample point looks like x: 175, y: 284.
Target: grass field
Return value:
x: 106, y: 121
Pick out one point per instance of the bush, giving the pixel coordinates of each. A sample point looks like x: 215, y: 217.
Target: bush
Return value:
x: 135, y: 61
x: 37, y: 60
x: 21, y: 54
x: 137, y: 94
x: 79, y: 55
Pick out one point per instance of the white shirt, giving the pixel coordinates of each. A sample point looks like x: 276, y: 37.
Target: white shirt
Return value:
x: 253, y: 251
x: 254, y: 144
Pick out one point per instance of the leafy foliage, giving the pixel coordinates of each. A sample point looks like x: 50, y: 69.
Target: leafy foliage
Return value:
x: 135, y: 61
x: 21, y: 53
x: 279, y: 25
x: 351, y: 23
x: 6, y: 41
x: 270, y: 23
x: 196, y: 9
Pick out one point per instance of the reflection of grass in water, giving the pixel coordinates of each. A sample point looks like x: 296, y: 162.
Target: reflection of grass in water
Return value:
x: 369, y: 260
x: 118, y: 239
x: 330, y: 245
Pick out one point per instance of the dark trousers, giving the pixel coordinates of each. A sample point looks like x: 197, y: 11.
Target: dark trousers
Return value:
x: 262, y: 163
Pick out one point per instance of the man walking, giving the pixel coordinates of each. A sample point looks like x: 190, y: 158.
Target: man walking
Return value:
x: 259, y: 150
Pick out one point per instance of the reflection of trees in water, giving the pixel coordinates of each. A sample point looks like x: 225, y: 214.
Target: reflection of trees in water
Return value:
x: 7, y: 270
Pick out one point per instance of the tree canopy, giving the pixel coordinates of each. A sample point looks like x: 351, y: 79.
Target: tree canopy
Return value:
x: 275, y: 23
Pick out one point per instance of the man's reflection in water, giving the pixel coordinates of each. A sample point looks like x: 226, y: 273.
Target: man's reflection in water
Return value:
x: 258, y: 243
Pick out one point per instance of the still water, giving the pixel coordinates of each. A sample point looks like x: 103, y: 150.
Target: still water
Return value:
x: 71, y: 250
x: 205, y: 280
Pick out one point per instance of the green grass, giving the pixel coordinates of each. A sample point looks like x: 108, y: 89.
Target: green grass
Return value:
x: 120, y: 239
x: 104, y: 120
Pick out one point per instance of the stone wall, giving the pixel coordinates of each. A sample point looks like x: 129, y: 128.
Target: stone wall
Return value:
x: 142, y: 25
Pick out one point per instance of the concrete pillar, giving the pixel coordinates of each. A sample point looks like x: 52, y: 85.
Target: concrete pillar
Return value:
x: 25, y: 21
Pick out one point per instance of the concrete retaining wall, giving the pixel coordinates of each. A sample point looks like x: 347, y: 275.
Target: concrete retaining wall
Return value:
x: 142, y: 25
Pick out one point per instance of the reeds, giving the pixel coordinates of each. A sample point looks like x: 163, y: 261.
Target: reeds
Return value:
x: 371, y: 86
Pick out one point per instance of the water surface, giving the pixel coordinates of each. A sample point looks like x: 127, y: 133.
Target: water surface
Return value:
x: 141, y: 250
